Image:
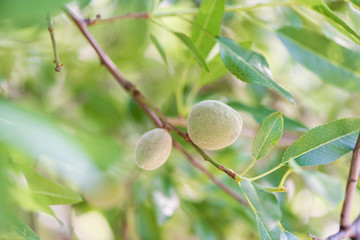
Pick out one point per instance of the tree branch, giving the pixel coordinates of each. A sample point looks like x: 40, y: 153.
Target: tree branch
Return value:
x: 149, y: 108
x: 353, y: 232
x: 350, y: 187
x: 346, y: 228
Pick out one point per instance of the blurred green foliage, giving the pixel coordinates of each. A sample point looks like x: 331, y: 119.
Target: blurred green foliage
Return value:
x: 60, y: 130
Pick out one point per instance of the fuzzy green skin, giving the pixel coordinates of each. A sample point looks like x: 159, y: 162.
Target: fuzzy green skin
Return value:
x: 153, y: 149
x: 213, y: 125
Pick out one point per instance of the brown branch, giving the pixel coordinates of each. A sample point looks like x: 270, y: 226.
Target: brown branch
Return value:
x: 353, y: 232
x: 350, y: 187
x: 147, y: 106
x: 346, y: 228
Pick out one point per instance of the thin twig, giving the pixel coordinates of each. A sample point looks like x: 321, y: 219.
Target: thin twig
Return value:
x: 208, y: 174
x: 192, y: 11
x: 143, y: 101
x: 350, y: 187
x: 98, y: 20
x: 54, y: 45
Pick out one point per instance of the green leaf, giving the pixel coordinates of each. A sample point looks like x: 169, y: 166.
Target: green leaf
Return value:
x: 193, y: 49
x: 259, y: 113
x: 20, y: 227
x: 50, y: 192
x: 322, y: 8
x: 264, y: 202
x: 159, y: 48
x: 26, y: 13
x: 146, y: 225
x: 248, y: 66
x: 263, y: 231
x: 324, y: 144
x: 30, y: 201
x: 330, y: 61
x: 268, y: 135
x: 326, y: 186
x: 208, y: 19
x: 289, y: 236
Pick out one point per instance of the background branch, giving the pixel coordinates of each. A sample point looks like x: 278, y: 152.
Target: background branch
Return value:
x: 191, y: 11
x: 54, y: 45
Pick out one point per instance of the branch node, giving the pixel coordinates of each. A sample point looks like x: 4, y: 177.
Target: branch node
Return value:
x: 188, y: 139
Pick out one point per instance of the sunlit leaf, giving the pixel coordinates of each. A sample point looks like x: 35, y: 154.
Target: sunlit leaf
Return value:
x: 268, y: 135
x: 324, y: 144
x: 193, y: 49
x: 330, y: 61
x: 30, y: 201
x: 322, y: 8
x: 248, y: 66
x: 52, y: 193
x: 20, y: 227
x: 206, y: 22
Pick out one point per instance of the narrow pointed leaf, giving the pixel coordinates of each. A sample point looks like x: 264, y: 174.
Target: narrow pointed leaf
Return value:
x: 264, y: 202
x: 263, y: 231
x: 50, y: 192
x: 289, y: 236
x: 265, y: 207
x: 21, y: 228
x: 193, y: 49
x: 324, y: 144
x: 330, y: 61
x: 159, y: 48
x: 248, y: 66
x: 207, y: 21
x: 320, y: 7
x: 268, y: 135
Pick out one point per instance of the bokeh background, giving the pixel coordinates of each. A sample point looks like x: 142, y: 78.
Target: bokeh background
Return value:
x: 78, y: 128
